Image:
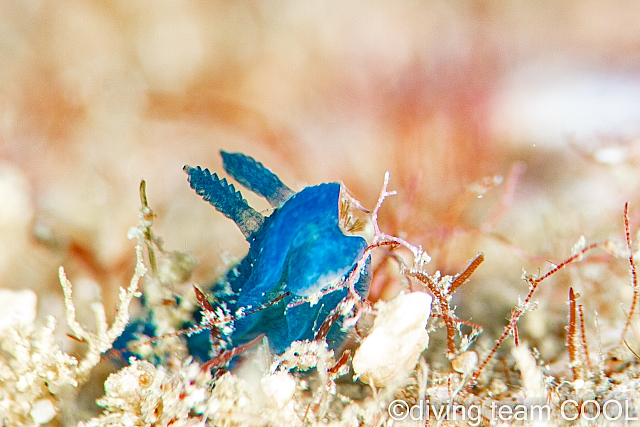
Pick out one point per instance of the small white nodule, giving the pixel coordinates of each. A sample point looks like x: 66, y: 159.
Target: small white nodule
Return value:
x: 42, y: 411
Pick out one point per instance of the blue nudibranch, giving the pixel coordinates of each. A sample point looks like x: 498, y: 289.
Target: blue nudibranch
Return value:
x: 296, y: 251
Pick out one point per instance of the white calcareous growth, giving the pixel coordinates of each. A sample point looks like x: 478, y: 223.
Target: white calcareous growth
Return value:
x: 42, y: 411
x: 398, y: 336
x: 279, y: 389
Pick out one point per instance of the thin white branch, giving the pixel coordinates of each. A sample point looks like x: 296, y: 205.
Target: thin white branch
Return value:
x: 103, y: 339
x: 374, y: 215
x: 101, y: 319
x: 379, y: 237
x: 77, y: 329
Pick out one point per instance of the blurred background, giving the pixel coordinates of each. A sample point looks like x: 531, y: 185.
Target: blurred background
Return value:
x: 509, y: 128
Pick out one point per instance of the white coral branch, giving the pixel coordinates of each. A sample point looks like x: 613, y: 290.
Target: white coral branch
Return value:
x: 103, y: 339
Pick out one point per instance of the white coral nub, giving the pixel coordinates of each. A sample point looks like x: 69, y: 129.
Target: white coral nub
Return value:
x: 279, y: 389
x: 398, y: 336
x: 42, y: 411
